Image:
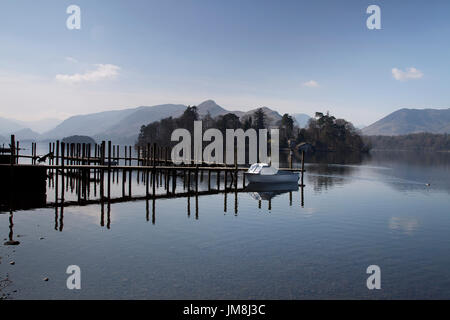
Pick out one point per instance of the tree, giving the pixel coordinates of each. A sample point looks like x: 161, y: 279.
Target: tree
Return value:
x: 260, y: 119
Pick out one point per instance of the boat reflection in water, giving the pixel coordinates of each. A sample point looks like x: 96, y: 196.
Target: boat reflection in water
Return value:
x: 264, y: 191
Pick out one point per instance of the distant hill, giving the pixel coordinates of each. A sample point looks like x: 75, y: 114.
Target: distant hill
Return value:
x: 9, y: 126
x: 406, y: 121
x: 40, y: 126
x: 89, y: 124
x: 302, y: 119
x: 26, y: 135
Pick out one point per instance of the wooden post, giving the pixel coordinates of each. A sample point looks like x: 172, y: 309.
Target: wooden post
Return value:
x: 209, y: 179
x: 196, y: 178
x: 174, y: 180
x: 189, y: 179
x: 303, y: 166
x: 102, y: 171
x: 17, y: 152
x: 154, y: 171
x: 290, y: 158
x: 225, y: 178
x: 56, y: 171
x: 235, y: 169
x: 218, y: 180
x: 129, y: 157
x: 109, y: 170
x: 13, y: 150
x: 63, y: 149
x: 129, y: 172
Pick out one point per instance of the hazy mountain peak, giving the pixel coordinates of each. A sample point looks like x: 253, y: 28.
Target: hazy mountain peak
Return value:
x: 406, y: 121
x: 211, y: 107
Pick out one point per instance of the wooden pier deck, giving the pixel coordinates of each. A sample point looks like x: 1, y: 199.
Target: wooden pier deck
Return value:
x: 80, y: 165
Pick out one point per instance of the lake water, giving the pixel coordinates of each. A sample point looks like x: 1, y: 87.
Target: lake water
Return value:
x: 304, y: 244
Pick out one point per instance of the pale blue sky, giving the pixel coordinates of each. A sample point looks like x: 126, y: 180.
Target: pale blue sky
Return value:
x: 242, y: 54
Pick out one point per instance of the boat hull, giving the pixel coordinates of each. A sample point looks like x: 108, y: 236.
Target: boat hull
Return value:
x: 280, y: 177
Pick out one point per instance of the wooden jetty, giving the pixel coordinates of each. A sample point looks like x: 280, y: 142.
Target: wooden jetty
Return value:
x: 80, y: 167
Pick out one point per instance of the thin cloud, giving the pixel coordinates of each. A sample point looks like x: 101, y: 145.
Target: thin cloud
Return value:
x: 71, y: 59
x: 311, y: 84
x: 103, y: 72
x: 409, y: 74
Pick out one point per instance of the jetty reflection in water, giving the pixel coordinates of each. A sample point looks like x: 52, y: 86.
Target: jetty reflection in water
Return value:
x: 78, y: 190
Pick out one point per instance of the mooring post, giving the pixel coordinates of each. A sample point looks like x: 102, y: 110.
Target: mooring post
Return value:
x: 290, y: 158
x: 174, y: 180
x: 83, y: 154
x: 109, y: 169
x: 209, y: 180
x: 49, y: 149
x: 56, y: 171
x: 11, y: 174
x: 17, y: 153
x: 63, y: 149
x: 235, y: 169
x: 138, y: 164
x: 129, y: 172
x: 88, y: 176
x: 225, y: 178
x: 154, y: 171
x: 189, y: 179
x: 303, y: 166
x: 130, y: 155
x: 218, y: 180
x: 13, y: 150
x: 102, y: 171
x: 196, y: 177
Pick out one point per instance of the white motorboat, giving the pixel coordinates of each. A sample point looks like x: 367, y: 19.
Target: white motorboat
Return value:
x: 264, y: 173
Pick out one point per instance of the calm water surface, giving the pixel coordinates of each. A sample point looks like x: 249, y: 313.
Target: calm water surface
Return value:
x: 376, y: 210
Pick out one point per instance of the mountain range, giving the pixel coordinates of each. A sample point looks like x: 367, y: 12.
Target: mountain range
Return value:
x: 8, y: 126
x: 406, y: 121
x: 122, y: 126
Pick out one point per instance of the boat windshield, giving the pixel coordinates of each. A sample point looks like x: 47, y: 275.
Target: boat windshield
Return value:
x: 255, y: 168
x: 261, y: 168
